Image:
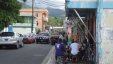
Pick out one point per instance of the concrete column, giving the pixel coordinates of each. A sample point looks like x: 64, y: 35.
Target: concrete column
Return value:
x: 98, y: 31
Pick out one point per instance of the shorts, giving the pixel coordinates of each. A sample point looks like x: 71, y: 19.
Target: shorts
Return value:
x: 57, y: 57
x: 73, y: 56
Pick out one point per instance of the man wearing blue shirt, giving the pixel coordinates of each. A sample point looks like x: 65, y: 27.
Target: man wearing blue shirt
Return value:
x: 60, y: 49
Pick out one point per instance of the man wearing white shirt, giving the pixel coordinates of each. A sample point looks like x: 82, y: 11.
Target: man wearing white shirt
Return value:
x: 74, y: 49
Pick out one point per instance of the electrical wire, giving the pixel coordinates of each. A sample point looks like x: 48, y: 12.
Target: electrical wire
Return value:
x: 43, y: 2
x: 46, y: 3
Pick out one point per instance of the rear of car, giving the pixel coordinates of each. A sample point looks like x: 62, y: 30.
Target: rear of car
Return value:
x: 43, y: 37
x: 28, y: 39
x: 10, y: 39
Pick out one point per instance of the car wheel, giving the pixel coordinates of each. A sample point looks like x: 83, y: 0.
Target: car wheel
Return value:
x: 37, y: 42
x: 1, y: 47
x: 17, y: 46
x: 34, y: 41
x: 49, y: 42
x: 21, y: 45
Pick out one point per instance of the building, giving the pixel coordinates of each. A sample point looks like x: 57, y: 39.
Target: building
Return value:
x: 92, y: 20
x: 40, y: 15
x: 40, y: 19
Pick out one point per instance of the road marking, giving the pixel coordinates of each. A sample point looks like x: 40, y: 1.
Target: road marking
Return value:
x: 38, y: 55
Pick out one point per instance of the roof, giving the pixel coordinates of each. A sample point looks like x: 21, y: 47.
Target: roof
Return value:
x: 35, y: 10
x: 28, y: 12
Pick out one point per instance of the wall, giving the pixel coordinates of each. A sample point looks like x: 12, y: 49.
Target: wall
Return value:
x: 106, y: 43
x: 23, y: 28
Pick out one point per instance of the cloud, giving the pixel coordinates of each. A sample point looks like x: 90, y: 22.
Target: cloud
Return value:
x: 55, y: 7
x: 57, y: 4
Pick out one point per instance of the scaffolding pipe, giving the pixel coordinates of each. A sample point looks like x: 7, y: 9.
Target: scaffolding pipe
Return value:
x: 84, y: 25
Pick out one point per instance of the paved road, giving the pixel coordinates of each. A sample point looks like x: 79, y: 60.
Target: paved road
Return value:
x: 29, y: 54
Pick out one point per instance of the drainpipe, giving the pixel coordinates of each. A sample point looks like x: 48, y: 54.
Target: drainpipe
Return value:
x: 98, y: 30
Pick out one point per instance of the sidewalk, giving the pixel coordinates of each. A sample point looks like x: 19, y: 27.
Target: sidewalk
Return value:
x: 50, y: 58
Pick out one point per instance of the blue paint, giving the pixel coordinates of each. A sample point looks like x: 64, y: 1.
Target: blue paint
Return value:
x: 10, y: 28
x: 98, y: 30
x: 107, y: 5
x: 85, y: 4
x: 82, y: 4
x: 101, y: 52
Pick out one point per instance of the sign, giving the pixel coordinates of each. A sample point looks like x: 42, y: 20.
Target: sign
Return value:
x: 10, y: 28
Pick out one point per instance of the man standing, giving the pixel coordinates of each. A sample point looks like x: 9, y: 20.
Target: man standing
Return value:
x: 59, y: 47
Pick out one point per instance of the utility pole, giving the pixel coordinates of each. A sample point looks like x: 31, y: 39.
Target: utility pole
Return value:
x: 32, y: 16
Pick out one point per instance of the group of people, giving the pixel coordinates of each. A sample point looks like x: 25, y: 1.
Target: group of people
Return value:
x: 64, y: 50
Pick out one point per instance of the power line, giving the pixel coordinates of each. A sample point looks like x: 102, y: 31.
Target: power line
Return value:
x: 47, y: 3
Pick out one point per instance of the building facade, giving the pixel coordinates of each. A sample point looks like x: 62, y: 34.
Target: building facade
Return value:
x: 93, y: 20
x: 40, y: 17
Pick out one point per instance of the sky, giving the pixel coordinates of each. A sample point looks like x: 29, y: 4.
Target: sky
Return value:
x: 57, y: 4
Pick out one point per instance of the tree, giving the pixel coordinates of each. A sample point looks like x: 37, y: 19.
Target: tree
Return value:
x: 55, y: 21
x: 9, y: 10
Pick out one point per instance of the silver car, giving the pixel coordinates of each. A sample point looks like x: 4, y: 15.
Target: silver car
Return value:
x: 11, y: 39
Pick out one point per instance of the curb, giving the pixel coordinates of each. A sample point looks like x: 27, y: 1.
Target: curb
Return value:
x: 50, y: 58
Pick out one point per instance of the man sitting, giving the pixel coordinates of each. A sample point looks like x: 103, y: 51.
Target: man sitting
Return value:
x: 74, y: 47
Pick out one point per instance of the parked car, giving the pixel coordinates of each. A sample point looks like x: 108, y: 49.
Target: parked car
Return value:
x: 11, y: 39
x: 28, y: 39
x: 43, y: 37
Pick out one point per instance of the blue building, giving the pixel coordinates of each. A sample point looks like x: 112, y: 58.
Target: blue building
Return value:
x: 92, y: 20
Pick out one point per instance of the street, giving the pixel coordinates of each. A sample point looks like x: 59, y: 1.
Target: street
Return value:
x: 29, y: 54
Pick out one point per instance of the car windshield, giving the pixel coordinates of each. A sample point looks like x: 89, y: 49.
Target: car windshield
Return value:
x: 44, y: 34
x: 6, y: 34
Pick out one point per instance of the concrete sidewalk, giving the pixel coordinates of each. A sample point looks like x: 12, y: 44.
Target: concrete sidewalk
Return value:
x: 50, y: 58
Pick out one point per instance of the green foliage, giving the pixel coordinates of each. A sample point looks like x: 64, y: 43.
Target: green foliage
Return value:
x: 9, y: 10
x: 55, y: 21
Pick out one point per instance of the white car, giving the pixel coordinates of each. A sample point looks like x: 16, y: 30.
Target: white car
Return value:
x: 11, y: 39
